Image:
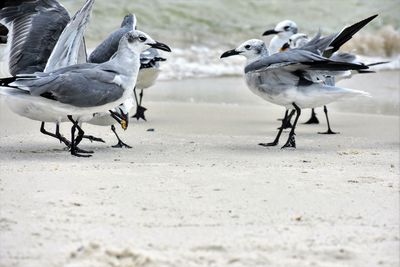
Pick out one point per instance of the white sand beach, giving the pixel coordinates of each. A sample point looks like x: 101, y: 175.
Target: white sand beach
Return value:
x: 197, y: 190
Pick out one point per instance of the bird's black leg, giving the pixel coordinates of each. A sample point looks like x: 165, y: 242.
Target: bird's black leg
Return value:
x: 141, y: 97
x: 280, y: 129
x: 286, y: 123
x: 120, y: 144
x: 329, y: 131
x: 92, y: 138
x: 56, y: 135
x: 313, y: 119
x: 139, y: 109
x: 291, y: 142
x: 78, y: 140
x: 73, y: 146
x: 62, y: 138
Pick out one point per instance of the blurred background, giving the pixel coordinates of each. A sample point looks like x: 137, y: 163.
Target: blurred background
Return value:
x: 199, y: 31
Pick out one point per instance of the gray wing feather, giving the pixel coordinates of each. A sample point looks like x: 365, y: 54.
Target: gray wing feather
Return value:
x: 300, y: 60
x: 318, y: 45
x: 69, y: 44
x: 83, y: 88
x: 82, y: 54
x: 343, y: 57
x: 36, y: 26
x: 283, y: 59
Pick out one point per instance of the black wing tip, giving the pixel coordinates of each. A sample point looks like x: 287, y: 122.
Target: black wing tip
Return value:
x: 372, y: 17
x: 378, y: 63
x: 348, y: 33
x: 364, y: 22
x: 365, y: 71
x: 6, y: 81
x: 335, y: 65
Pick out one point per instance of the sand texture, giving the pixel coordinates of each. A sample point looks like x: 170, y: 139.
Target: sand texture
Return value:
x: 197, y: 190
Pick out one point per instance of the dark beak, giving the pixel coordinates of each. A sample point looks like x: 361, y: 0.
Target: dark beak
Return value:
x: 160, y: 46
x: 285, y: 47
x: 269, y: 32
x: 229, y: 53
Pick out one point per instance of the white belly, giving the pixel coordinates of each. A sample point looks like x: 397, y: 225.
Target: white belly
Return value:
x: 146, y: 78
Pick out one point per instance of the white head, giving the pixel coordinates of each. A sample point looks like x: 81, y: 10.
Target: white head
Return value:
x: 138, y: 41
x: 298, y: 40
x: 283, y: 29
x: 251, y: 49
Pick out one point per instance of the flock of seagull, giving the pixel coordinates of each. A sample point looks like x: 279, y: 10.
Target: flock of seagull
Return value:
x: 54, y: 80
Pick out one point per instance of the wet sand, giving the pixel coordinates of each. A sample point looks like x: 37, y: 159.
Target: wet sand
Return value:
x: 199, y: 191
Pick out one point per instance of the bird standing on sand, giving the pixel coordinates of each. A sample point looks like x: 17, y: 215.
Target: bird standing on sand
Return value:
x: 148, y: 73
x: 35, y: 26
x: 288, y: 31
x: 81, y: 90
x: 149, y: 60
x: 286, y: 79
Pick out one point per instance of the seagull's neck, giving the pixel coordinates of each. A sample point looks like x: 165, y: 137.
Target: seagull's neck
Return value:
x: 263, y: 53
x: 127, y: 63
x: 127, y: 59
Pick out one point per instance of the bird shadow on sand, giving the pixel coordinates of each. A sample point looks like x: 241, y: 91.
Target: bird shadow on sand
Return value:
x: 45, y: 152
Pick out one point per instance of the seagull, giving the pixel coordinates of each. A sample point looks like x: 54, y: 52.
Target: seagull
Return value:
x: 282, y: 31
x: 288, y: 79
x: 148, y: 74
x: 287, y: 33
x: 149, y: 69
x: 102, y: 53
x: 81, y: 90
x: 300, y: 40
x: 296, y: 41
x: 35, y: 27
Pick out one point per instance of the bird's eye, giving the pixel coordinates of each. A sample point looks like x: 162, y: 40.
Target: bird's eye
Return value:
x: 247, y: 47
x: 142, y: 38
x: 286, y: 28
x: 130, y: 38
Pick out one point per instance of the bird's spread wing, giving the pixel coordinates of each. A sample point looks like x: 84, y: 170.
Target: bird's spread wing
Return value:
x: 295, y: 59
x: 70, y: 43
x: 35, y: 27
x: 283, y: 59
x: 346, y: 34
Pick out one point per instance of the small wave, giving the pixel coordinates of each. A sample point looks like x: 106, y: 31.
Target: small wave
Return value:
x: 200, y: 62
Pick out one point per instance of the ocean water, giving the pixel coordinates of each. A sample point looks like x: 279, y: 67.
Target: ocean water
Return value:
x: 200, y: 30
x: 213, y: 23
